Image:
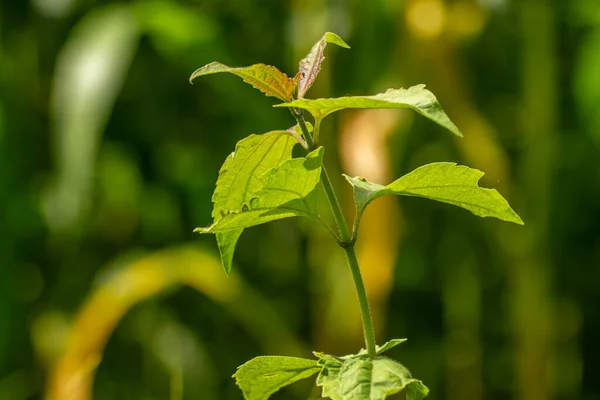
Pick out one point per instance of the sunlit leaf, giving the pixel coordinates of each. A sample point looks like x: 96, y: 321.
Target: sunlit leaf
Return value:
x: 416, y: 98
x: 360, y: 377
x: 263, y: 376
x: 442, y: 181
x: 309, y: 66
x: 287, y: 190
x: 265, y: 78
x: 239, y: 179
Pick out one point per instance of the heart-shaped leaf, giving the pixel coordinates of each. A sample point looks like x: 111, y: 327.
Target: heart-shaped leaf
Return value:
x: 310, y: 66
x: 239, y: 179
x: 262, y: 376
x: 416, y: 98
x: 265, y: 78
x: 287, y: 190
x: 442, y: 181
x: 360, y: 377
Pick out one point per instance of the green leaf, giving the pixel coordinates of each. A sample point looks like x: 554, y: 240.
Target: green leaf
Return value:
x: 416, y: 97
x: 388, y: 345
x: 442, y: 181
x: 265, y: 78
x: 360, y: 377
x: 239, y: 179
x: 310, y: 65
x: 287, y: 190
x: 262, y: 376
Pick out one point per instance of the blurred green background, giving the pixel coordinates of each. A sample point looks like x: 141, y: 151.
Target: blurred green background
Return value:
x: 108, y: 159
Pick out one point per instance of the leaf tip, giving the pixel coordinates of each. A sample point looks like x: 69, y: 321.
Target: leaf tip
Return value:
x: 517, y: 220
x: 331, y: 37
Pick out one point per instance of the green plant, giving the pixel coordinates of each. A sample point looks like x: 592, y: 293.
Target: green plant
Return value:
x: 261, y: 182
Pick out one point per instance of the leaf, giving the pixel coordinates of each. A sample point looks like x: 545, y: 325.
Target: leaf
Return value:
x: 288, y: 190
x: 265, y: 78
x: 360, y: 377
x: 239, y: 179
x: 442, y: 181
x: 262, y: 376
x: 388, y: 345
x: 416, y: 97
x: 309, y: 66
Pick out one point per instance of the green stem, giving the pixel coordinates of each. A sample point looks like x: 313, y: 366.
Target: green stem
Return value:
x: 365, y: 311
x: 346, y: 242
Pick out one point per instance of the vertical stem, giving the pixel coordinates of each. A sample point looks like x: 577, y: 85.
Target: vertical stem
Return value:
x: 347, y: 243
x: 365, y: 311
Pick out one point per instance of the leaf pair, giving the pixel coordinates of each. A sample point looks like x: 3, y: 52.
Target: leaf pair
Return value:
x: 352, y: 377
x: 260, y: 182
x: 270, y: 80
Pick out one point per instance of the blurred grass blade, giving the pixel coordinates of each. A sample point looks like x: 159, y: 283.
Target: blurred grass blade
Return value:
x: 72, y: 376
x: 90, y: 72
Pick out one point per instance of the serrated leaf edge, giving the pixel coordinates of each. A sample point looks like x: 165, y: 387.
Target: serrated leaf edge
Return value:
x: 380, y: 192
x: 282, y: 92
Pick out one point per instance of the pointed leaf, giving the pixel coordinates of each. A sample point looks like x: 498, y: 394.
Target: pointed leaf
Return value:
x: 265, y: 78
x: 239, y: 180
x: 288, y: 190
x: 416, y: 98
x: 262, y: 376
x: 442, y: 181
x: 309, y: 66
x: 360, y: 377
x: 382, y: 349
x: 388, y: 345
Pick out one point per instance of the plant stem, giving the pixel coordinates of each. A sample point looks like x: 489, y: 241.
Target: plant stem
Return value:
x: 365, y: 311
x: 346, y: 242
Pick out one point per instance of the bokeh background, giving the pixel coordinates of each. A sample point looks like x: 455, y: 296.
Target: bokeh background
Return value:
x: 108, y: 158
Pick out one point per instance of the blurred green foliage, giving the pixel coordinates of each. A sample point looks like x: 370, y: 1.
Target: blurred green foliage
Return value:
x: 108, y: 159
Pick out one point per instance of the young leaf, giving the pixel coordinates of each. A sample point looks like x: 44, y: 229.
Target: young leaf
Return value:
x: 262, y: 376
x: 360, y: 377
x: 309, y: 66
x: 239, y: 180
x: 382, y: 349
x: 442, y: 181
x: 265, y: 78
x: 416, y: 97
x: 287, y: 190
x: 388, y: 345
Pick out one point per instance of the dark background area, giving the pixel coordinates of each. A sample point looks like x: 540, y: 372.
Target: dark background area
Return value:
x: 108, y: 159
